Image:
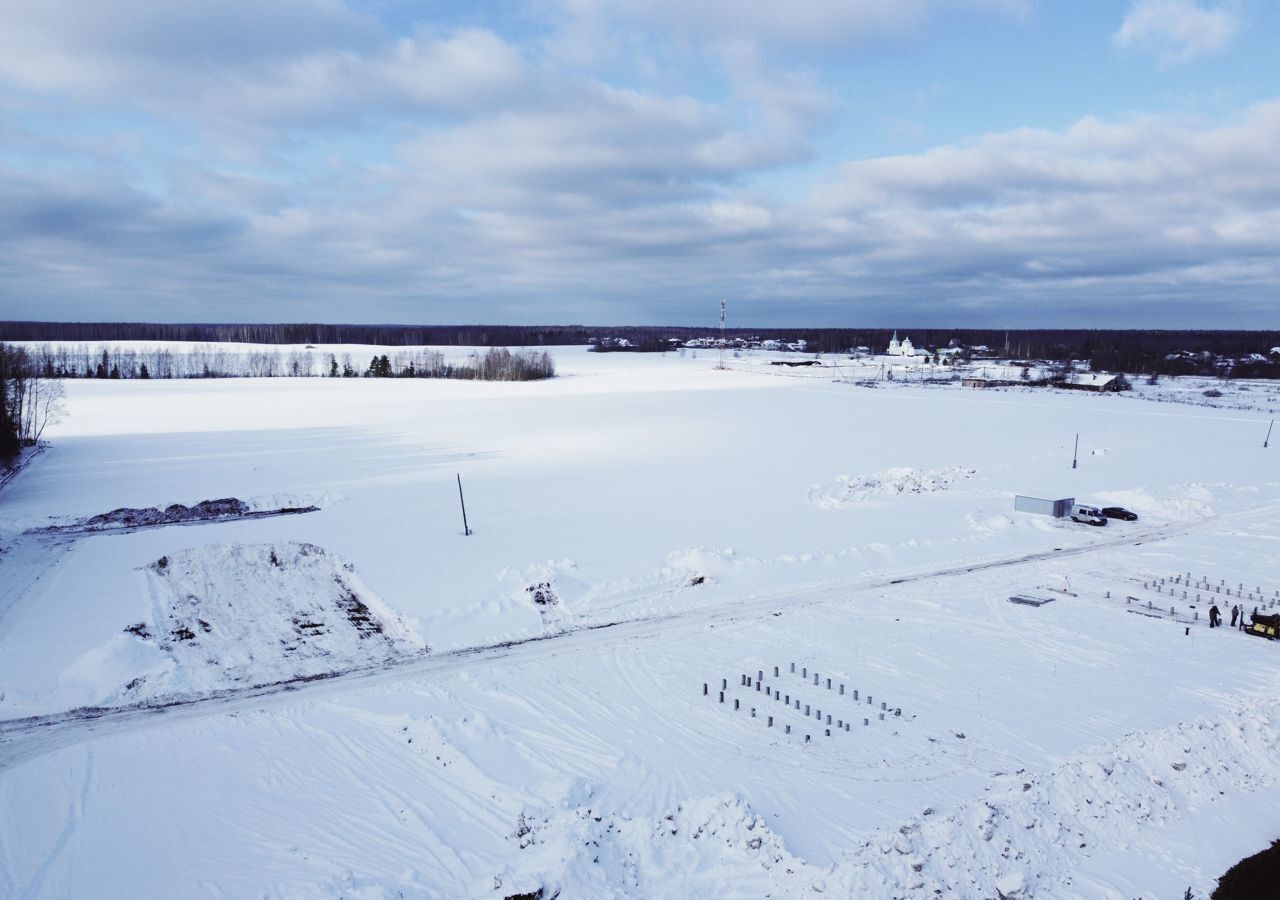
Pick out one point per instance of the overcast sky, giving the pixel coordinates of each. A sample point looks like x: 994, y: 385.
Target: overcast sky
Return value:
x: 814, y: 162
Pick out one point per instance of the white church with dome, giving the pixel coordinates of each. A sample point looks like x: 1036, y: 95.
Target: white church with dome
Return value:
x: 900, y: 348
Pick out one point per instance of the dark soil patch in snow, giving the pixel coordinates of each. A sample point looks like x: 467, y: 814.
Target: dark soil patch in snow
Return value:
x: 542, y: 594
x: 1254, y: 878
x: 128, y: 517
x: 357, y: 613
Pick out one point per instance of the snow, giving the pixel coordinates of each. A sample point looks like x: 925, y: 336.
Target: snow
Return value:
x: 220, y: 610
x: 643, y: 525
x: 850, y: 490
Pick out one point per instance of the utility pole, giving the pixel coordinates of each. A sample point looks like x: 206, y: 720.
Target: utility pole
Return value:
x: 723, y: 305
x: 466, y: 530
x: 1075, y: 454
x: 1268, y: 438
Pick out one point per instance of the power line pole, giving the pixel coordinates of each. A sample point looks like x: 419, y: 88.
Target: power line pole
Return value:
x: 466, y: 530
x: 1075, y: 454
x: 1268, y: 438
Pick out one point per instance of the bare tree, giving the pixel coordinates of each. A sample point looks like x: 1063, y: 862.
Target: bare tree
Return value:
x: 46, y: 406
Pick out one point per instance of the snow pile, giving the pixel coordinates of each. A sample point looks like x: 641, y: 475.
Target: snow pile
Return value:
x: 850, y: 490
x: 709, y: 847
x: 553, y: 589
x: 316, y: 500
x: 258, y: 613
x: 696, y: 565
x: 1024, y: 837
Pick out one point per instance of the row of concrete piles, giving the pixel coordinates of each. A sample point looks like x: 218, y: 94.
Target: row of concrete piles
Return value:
x: 831, y: 720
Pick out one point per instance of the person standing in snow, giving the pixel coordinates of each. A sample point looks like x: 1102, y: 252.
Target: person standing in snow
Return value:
x: 1214, y: 616
x: 1235, y: 614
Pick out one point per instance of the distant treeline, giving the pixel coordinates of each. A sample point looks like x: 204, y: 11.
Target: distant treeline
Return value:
x: 378, y: 335
x: 1139, y: 352
x: 54, y: 361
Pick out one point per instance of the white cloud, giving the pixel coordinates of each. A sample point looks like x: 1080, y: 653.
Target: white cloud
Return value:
x: 1115, y: 206
x: 247, y: 65
x: 452, y: 168
x: 467, y: 72
x: 1177, y: 30
x: 612, y: 203
x: 798, y: 24
x: 95, y: 49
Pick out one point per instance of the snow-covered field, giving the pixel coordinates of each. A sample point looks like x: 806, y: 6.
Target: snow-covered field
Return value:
x: 362, y: 701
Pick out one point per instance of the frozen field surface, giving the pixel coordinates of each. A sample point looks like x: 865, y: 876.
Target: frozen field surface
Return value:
x: 363, y: 702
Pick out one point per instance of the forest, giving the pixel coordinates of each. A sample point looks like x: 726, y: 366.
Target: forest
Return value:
x: 1140, y: 352
x: 57, y: 361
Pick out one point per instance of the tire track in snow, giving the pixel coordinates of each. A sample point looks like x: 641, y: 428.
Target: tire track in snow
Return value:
x: 26, y: 738
x: 75, y: 815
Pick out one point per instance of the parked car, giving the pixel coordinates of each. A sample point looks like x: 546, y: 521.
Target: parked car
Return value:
x: 1089, y: 515
x: 1119, y: 512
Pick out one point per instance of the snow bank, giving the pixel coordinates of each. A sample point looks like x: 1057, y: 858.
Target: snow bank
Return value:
x: 1024, y: 837
x: 295, y: 500
x: 553, y: 589
x: 850, y: 490
x: 695, y: 565
x: 1026, y: 834
x: 708, y: 847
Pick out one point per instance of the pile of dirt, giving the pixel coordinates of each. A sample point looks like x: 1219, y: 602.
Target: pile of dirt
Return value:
x: 128, y: 517
x: 542, y: 594
x: 174, y: 514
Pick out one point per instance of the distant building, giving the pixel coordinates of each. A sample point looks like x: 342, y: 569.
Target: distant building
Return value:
x: 900, y: 348
x: 1094, y: 381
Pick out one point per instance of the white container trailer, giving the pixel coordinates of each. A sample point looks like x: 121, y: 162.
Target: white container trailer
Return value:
x: 1059, y: 509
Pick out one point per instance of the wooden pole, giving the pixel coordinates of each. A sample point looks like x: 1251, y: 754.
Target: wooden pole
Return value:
x: 1075, y: 454
x: 1268, y: 438
x: 466, y: 529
